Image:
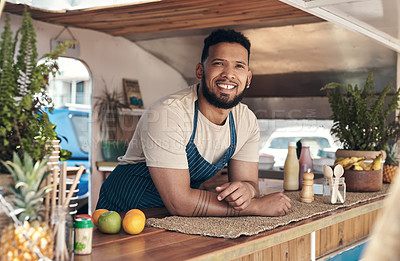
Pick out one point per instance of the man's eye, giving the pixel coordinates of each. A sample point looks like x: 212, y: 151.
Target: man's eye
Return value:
x: 240, y: 66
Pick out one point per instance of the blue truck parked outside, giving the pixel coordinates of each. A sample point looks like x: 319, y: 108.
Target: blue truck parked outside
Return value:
x: 72, y: 127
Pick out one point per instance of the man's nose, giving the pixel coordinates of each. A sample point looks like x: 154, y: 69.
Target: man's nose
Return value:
x: 229, y: 72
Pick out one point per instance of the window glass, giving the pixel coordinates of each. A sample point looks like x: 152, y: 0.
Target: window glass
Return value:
x: 80, y: 123
x: 80, y: 92
x: 275, y: 135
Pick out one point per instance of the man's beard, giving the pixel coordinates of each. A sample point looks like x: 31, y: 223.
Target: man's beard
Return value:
x: 220, y: 102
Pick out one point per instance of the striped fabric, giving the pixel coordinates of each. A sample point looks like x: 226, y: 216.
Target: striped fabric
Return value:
x: 131, y: 186
x: 199, y: 168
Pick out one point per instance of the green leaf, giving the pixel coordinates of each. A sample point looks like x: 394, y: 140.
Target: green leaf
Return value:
x: 365, y: 112
x: 20, y: 185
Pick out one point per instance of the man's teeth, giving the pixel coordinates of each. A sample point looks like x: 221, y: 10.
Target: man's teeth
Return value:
x: 226, y: 86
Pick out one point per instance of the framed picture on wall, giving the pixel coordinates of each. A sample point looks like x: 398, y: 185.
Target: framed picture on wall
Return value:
x: 132, y: 93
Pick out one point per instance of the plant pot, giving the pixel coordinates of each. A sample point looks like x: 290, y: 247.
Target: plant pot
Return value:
x: 113, y: 149
x: 363, y: 180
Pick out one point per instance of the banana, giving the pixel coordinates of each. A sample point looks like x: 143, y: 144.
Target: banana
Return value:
x: 369, y: 166
x: 362, y: 165
x: 359, y: 165
x: 344, y: 162
x: 356, y: 167
x: 376, y: 164
x: 348, y: 162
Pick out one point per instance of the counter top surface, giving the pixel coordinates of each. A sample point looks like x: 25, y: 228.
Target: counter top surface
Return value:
x: 159, y: 244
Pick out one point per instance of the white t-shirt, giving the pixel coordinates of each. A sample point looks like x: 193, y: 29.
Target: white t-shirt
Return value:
x: 165, y: 128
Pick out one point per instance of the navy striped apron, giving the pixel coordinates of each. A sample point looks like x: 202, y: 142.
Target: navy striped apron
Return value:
x: 130, y: 186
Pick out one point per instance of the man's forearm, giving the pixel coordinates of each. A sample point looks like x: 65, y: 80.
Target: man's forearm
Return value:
x: 206, y: 206
x: 202, y: 203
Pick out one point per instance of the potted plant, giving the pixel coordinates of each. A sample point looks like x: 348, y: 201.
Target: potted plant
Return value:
x: 361, y: 117
x: 108, y: 108
x: 24, y: 125
x: 362, y: 123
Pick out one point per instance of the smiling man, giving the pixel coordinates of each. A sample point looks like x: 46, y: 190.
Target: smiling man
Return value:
x: 187, y: 137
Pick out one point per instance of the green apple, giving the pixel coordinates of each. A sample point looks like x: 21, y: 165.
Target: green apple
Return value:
x: 109, y: 222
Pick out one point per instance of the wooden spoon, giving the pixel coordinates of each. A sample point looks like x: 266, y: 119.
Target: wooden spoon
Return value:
x: 329, y: 174
x: 338, y: 172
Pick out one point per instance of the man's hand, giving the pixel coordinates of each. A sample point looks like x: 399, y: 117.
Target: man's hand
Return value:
x: 274, y: 204
x: 238, y: 194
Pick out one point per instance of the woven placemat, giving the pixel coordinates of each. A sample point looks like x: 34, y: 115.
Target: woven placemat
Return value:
x: 233, y: 227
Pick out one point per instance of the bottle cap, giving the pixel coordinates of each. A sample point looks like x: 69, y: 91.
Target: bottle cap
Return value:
x: 292, y: 144
x: 305, y: 144
x: 83, y: 223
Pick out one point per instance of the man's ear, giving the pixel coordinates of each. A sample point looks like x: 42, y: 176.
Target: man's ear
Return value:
x: 199, y: 71
x: 249, y: 76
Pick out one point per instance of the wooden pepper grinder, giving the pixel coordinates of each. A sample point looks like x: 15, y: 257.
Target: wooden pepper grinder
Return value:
x: 307, y: 192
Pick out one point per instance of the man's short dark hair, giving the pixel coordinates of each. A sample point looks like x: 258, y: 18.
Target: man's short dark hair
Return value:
x: 224, y: 36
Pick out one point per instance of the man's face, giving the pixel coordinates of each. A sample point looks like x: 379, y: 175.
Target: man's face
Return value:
x: 224, y: 75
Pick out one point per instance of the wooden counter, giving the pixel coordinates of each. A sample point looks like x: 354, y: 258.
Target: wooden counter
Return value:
x: 333, y: 230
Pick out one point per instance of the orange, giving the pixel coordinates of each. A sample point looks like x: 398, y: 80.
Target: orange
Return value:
x: 133, y: 223
x: 97, y: 214
x: 137, y: 211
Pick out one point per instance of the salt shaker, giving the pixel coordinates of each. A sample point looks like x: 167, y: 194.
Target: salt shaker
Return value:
x: 307, y: 192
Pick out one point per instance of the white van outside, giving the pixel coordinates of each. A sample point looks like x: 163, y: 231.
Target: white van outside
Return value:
x: 274, y: 149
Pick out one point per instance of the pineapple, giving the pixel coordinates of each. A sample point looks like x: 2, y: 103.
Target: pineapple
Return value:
x: 390, y: 167
x: 27, y: 197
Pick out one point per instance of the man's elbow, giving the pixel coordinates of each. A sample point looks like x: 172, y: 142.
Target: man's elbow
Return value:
x: 178, y: 211
x: 178, y: 208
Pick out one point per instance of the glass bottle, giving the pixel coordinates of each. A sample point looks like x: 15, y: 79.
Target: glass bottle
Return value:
x: 291, y: 169
x: 334, y: 191
x: 305, y: 162
x: 62, y: 223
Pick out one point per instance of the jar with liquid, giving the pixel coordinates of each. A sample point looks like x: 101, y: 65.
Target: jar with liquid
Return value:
x: 334, y: 191
x: 305, y: 162
x: 291, y: 169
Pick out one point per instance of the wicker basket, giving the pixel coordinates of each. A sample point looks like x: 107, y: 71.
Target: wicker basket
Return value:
x: 363, y: 180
